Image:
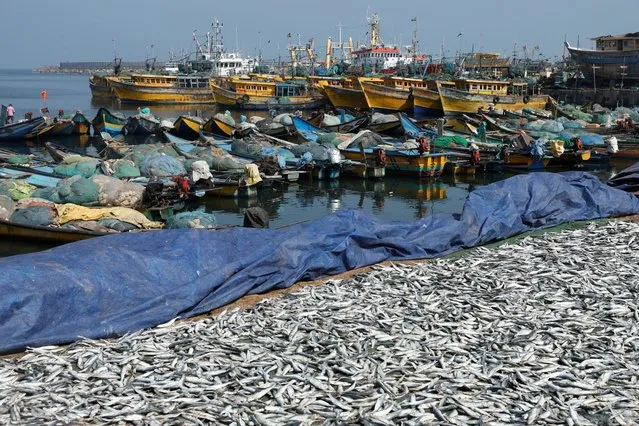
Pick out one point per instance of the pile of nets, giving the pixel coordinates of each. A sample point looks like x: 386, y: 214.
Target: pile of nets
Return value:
x: 330, y: 120
x: 284, y: 119
x: 225, y: 118
x: 138, y: 153
x: 215, y: 158
x: 577, y: 113
x: 256, y: 149
x: 122, y: 168
x: 553, y: 126
x: 7, y: 206
x: 115, y: 192
x: 72, y: 213
x: 268, y: 125
x: 449, y: 141
x: 16, y: 189
x: 77, y: 165
x: 378, y: 118
x: 196, y: 219
x: 318, y: 152
x: 161, y: 165
x: 76, y: 190
x: 18, y: 159
x: 34, y: 211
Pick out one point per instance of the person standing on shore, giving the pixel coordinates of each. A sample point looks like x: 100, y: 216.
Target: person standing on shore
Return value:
x: 11, y: 111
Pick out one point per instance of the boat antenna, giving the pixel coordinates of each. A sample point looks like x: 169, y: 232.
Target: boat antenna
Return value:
x: 237, y: 46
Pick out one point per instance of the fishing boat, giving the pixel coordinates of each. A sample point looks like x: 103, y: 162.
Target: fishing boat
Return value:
x: 218, y: 127
x: 477, y: 96
x: 20, y: 129
x: 40, y: 130
x: 571, y: 158
x: 81, y: 124
x: 349, y: 94
x: 105, y: 121
x: 46, y: 234
x: 351, y: 126
x: 264, y: 95
x: 61, y: 127
x: 386, y: 98
x: 141, y: 124
x: 426, y: 100
x: 100, y: 86
x: 187, y: 126
x: 613, y: 54
x: 164, y: 89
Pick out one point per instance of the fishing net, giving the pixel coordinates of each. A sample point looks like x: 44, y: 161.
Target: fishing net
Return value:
x: 77, y: 190
x: 123, y: 169
x: 319, y: 152
x: 198, y: 220
x: 378, y: 118
x: 331, y: 120
x: 161, y: 165
x: 255, y: 119
x: 19, y: 159
x: 7, y: 207
x: 37, y: 215
x: 268, y: 165
x: 16, y: 189
x: 366, y: 139
x: 77, y: 165
x: 115, y: 192
x: 227, y: 119
x: 449, y: 141
x: 116, y: 225
x: 284, y: 119
x: 50, y: 194
x: 259, y: 149
x: 268, y: 124
x: 216, y: 158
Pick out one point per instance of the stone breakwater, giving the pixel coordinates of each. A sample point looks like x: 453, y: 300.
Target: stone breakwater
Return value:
x: 538, y: 331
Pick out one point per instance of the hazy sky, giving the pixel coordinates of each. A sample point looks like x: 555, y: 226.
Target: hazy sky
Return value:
x: 46, y: 32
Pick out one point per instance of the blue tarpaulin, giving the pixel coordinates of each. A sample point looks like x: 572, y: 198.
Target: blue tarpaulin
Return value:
x: 111, y: 285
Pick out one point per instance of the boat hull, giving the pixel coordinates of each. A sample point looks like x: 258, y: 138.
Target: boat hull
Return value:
x: 104, y: 121
x: 455, y: 102
x: 232, y: 100
x: 128, y: 92
x: 426, y: 103
x: 404, y: 162
x: 19, y: 130
x: 44, y: 233
x: 187, y: 127
x: 217, y: 127
x: 63, y: 128
x: 382, y: 98
x: 341, y: 97
x: 608, y: 63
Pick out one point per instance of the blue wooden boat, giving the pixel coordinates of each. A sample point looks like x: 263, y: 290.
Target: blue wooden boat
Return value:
x: 413, y: 130
x: 306, y: 130
x: 20, y: 130
x: 105, y: 121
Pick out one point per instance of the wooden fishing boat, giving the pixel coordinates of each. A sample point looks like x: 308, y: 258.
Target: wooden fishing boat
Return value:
x: 60, y: 153
x: 426, y: 100
x: 264, y: 95
x: 141, y: 124
x: 459, y: 167
x: 62, y: 128
x: 343, y: 97
x: 100, y: 86
x: 493, y: 124
x: 218, y: 127
x: 48, y: 234
x: 164, y: 89
x: 519, y: 161
x: 362, y: 169
x: 187, y: 126
x: 81, y: 124
x: 20, y: 129
x: 42, y: 129
x: 387, y: 99
x: 351, y: 126
x: 571, y: 158
x: 105, y: 121
x: 476, y: 96
x: 399, y: 161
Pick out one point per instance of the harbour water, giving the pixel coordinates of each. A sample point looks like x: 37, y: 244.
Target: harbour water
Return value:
x: 393, y: 198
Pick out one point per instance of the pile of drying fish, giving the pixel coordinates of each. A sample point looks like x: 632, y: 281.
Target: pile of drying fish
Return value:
x: 543, y: 330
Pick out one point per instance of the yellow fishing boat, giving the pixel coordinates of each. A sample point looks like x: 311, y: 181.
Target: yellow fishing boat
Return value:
x: 426, y: 100
x: 399, y: 161
x: 218, y: 127
x: 473, y: 96
x: 187, y: 127
x: 264, y: 95
x: 394, y: 95
x: 100, y: 86
x: 164, y: 89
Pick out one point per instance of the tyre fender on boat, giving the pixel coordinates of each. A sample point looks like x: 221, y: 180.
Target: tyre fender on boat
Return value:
x: 496, y: 100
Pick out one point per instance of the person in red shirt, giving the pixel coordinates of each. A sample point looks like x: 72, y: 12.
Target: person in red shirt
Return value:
x: 11, y: 111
